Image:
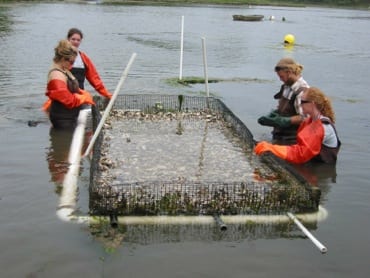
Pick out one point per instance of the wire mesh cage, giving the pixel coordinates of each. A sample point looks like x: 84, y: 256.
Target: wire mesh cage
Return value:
x: 187, y: 155
x: 147, y: 234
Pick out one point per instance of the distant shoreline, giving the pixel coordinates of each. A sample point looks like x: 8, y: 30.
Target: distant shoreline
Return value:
x: 363, y: 6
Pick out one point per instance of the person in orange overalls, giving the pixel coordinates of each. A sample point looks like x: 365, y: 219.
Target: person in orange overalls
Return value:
x: 65, y: 98
x: 83, y: 68
x: 317, y: 138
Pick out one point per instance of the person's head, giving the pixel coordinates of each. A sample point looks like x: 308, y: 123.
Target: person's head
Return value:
x: 313, y: 100
x: 65, y: 54
x: 75, y: 36
x: 288, y: 70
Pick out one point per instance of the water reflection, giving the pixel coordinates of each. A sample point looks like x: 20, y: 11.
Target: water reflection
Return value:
x: 5, y: 22
x: 57, y: 156
x: 58, y: 152
x: 151, y: 234
x: 319, y: 174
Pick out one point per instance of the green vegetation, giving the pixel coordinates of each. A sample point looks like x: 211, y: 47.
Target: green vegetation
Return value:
x: 301, y: 3
x: 326, y: 3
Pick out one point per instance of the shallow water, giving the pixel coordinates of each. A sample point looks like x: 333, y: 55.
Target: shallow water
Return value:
x: 332, y: 45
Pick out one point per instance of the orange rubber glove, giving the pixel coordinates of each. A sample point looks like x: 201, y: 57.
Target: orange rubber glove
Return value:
x: 84, y: 97
x: 46, y: 106
x: 104, y: 92
x: 278, y: 150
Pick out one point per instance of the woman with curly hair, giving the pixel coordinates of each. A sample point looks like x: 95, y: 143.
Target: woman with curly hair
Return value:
x: 317, y: 138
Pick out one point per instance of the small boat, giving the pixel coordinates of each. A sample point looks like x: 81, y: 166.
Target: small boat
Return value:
x: 252, y: 17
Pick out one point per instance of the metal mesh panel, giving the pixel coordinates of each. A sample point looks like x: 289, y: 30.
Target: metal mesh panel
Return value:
x: 147, y: 234
x: 280, y: 188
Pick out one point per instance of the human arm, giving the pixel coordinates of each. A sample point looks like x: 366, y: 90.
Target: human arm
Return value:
x: 57, y: 90
x: 276, y: 120
x: 93, y: 77
x: 309, y: 141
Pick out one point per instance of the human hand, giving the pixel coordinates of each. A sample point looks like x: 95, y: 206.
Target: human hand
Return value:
x: 109, y: 95
x: 278, y: 150
x: 275, y: 120
x: 261, y: 147
x: 106, y: 93
x: 268, y: 120
x: 85, y: 97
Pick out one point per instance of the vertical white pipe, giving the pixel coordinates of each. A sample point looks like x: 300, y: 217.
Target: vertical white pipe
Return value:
x: 181, y: 46
x: 205, y: 65
x: 318, y: 244
x: 110, y: 105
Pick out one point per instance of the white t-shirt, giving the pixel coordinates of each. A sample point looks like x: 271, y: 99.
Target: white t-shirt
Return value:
x: 330, y: 137
x: 78, y: 62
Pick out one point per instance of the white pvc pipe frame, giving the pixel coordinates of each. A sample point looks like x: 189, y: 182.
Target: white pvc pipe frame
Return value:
x: 110, y: 105
x: 67, y: 202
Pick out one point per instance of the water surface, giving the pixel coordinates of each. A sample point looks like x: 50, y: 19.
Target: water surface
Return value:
x: 333, y: 46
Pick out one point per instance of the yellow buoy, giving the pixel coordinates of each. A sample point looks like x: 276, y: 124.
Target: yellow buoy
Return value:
x: 289, y: 39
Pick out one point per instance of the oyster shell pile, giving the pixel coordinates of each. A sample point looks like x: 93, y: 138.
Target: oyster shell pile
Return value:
x: 184, y: 162
x: 194, y: 146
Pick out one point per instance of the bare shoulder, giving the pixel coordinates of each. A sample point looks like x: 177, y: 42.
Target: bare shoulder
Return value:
x: 56, y: 74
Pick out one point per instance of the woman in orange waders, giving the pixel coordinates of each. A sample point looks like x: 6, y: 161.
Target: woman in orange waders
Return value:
x: 317, y: 138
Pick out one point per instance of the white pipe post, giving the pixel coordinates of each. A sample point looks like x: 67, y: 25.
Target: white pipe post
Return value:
x: 205, y: 65
x: 181, y: 46
x: 318, y: 244
x: 67, y: 200
x: 110, y: 105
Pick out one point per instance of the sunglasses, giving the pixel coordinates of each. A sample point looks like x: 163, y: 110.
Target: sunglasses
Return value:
x: 280, y: 68
x: 71, y: 61
x: 305, y: 101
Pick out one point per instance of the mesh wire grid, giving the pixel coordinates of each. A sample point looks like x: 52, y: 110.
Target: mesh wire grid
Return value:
x: 146, y: 234
x: 287, y: 191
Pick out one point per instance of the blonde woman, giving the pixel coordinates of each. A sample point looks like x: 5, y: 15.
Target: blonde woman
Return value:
x: 65, y: 98
x: 288, y: 114
x: 317, y: 138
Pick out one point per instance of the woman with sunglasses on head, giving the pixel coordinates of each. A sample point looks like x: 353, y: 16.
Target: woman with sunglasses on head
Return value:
x: 317, y: 139
x: 288, y: 115
x: 83, y: 68
x: 65, y: 98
